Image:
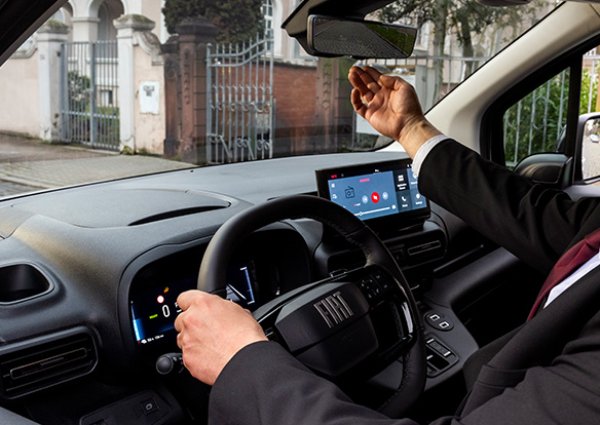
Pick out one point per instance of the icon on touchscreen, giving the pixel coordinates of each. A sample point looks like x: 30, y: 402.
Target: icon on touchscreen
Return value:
x: 375, y: 197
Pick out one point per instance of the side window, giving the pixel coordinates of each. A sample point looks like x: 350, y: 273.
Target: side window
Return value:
x: 536, y: 122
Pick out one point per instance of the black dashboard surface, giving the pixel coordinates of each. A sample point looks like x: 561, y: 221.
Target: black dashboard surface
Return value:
x: 121, y: 203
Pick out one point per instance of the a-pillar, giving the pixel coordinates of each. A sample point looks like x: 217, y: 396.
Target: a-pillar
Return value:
x: 127, y: 26
x: 50, y: 38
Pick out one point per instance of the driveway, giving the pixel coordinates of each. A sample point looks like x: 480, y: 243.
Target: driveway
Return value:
x: 28, y: 165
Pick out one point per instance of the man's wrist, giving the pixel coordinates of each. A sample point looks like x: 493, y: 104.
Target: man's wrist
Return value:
x: 415, y: 134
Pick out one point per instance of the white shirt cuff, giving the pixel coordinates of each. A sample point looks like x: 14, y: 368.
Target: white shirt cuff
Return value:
x: 424, y: 150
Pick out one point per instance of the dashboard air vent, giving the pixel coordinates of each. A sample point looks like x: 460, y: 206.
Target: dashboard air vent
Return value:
x: 175, y: 213
x: 44, y: 362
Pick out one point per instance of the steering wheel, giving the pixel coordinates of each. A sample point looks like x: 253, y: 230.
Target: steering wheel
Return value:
x: 346, y: 327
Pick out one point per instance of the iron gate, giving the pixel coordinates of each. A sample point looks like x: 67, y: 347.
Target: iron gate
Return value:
x: 240, y: 104
x: 89, y: 104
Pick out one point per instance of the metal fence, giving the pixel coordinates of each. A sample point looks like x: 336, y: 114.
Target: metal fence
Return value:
x: 89, y: 94
x: 537, y: 122
x: 240, y: 103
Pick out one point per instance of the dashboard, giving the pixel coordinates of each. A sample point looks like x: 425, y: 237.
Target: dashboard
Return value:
x: 379, y: 193
x: 107, y: 261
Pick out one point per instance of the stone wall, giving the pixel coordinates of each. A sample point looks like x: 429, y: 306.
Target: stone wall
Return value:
x: 19, y: 102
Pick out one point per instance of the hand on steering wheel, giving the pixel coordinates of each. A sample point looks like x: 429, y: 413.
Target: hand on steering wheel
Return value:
x: 211, y: 331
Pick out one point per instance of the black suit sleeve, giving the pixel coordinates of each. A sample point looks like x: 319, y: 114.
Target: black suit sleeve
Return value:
x: 535, y: 223
x: 264, y: 384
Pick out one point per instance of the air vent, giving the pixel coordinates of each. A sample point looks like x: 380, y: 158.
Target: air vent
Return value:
x: 44, y: 362
x: 176, y: 213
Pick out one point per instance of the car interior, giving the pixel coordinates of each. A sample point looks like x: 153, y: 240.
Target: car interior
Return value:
x: 89, y: 275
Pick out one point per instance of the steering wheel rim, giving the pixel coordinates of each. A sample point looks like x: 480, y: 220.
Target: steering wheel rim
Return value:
x: 213, y: 270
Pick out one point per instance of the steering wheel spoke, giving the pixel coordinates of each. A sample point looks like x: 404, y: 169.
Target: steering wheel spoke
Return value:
x: 332, y: 326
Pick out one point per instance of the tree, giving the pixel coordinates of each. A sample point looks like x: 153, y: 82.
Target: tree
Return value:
x: 589, y: 92
x: 464, y: 18
x: 237, y: 20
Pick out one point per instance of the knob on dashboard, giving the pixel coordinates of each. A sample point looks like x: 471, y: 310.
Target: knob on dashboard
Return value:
x: 167, y: 363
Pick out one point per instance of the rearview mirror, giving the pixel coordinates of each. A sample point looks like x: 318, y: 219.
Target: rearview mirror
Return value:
x: 333, y: 36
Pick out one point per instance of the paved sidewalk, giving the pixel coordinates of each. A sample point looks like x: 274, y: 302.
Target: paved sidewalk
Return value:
x: 27, y: 165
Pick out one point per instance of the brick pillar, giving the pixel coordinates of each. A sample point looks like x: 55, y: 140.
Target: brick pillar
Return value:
x: 194, y: 35
x: 344, y: 114
x: 334, y: 112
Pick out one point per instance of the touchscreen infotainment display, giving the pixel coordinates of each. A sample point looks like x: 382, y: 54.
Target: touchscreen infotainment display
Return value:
x: 375, y: 191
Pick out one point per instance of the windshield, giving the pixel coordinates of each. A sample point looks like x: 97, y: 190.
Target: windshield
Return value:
x: 108, y: 89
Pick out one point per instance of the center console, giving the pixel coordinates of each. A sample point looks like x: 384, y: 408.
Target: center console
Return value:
x: 385, y: 195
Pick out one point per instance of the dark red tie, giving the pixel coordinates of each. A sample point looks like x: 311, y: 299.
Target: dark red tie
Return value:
x: 575, y: 257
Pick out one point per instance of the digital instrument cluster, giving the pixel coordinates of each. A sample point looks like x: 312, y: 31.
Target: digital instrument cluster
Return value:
x: 154, y: 307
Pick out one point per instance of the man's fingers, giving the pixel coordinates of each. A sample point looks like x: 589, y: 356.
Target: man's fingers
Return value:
x: 357, y: 103
x: 391, y: 82
x: 368, y: 82
x: 179, y: 339
x: 364, y: 81
x: 373, y: 73
x: 178, y: 324
x: 185, y: 299
x: 356, y: 80
x: 395, y: 83
x: 371, y: 78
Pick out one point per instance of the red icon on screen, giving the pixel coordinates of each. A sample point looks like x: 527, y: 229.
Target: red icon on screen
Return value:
x: 375, y: 197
